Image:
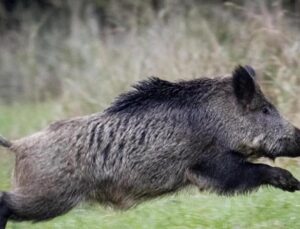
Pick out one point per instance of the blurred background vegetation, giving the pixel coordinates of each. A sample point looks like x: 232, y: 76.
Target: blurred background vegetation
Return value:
x: 61, y: 58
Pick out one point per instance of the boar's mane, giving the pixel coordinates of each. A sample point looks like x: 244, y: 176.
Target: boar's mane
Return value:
x: 153, y: 92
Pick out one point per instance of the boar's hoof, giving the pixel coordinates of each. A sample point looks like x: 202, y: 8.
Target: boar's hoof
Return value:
x: 284, y: 180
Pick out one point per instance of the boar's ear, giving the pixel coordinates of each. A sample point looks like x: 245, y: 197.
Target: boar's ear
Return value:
x: 244, y: 84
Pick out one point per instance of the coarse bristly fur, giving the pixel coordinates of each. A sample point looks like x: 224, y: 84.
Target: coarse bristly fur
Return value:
x: 156, y: 139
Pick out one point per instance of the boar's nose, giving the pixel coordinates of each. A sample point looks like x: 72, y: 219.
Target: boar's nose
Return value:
x: 291, y: 146
x: 297, y: 136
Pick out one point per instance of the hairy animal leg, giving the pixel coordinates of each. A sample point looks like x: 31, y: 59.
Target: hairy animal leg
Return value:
x: 4, y: 213
x: 231, y: 174
x: 22, y: 205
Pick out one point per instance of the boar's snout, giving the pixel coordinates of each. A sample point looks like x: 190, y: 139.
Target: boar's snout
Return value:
x: 297, y: 138
x: 293, y: 147
x: 296, y: 150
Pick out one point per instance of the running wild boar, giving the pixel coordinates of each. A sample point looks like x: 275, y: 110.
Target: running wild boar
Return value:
x: 155, y: 139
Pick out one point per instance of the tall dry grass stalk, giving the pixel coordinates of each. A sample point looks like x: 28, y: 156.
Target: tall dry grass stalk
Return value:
x: 87, y: 67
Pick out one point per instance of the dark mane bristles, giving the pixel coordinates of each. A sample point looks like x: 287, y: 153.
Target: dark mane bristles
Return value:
x: 154, y: 90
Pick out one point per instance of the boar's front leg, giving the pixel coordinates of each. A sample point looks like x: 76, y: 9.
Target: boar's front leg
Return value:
x: 230, y: 173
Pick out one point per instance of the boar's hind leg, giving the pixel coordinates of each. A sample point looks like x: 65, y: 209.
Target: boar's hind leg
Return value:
x: 23, y: 205
x: 230, y: 173
x: 4, y: 213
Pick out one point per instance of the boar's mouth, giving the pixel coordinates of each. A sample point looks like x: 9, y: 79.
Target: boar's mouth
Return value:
x: 253, y: 152
x: 255, y: 148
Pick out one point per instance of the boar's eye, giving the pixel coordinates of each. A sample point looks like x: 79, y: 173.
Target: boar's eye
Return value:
x: 266, y: 110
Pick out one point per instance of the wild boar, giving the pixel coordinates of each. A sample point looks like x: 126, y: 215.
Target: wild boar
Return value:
x: 155, y: 139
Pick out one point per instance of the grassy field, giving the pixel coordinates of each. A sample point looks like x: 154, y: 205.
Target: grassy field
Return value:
x: 189, y: 209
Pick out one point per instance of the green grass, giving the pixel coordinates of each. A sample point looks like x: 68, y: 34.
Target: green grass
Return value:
x: 264, y: 209
x: 267, y: 208
x: 21, y: 119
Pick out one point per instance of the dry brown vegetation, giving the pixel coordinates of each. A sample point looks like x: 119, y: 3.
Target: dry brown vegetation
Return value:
x: 85, y: 68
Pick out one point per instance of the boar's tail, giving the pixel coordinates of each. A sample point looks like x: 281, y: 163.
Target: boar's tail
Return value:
x: 5, y: 143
